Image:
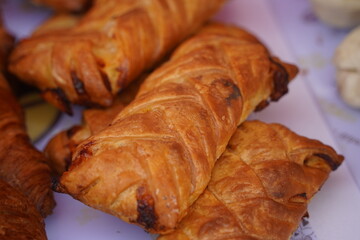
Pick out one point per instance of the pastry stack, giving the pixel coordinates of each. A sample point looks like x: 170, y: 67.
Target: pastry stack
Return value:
x: 165, y: 143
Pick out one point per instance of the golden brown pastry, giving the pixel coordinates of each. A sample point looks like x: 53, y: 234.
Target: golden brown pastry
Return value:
x: 19, y: 219
x: 59, y: 149
x: 108, y: 48
x: 156, y: 157
x: 65, y: 5
x: 21, y: 165
x: 260, y: 187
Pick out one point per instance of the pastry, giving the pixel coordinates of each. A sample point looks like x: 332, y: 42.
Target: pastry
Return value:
x: 64, y: 5
x: 21, y: 165
x: 347, y: 62
x: 156, y: 157
x: 59, y: 149
x: 19, y: 218
x: 112, y: 44
x: 260, y: 187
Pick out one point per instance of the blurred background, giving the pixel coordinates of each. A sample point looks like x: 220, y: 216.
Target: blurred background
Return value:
x: 314, y: 31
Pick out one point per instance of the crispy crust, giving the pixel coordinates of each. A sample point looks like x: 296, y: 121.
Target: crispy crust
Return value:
x: 156, y: 157
x: 108, y: 48
x: 59, y: 149
x: 19, y: 219
x: 21, y: 165
x: 260, y: 187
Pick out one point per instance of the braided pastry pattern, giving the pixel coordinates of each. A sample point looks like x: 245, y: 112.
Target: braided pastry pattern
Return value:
x: 109, y: 47
x: 260, y: 186
x: 156, y: 157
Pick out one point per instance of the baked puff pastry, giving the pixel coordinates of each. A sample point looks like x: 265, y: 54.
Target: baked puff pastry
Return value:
x: 21, y: 165
x: 109, y: 47
x: 19, y: 219
x: 156, y: 157
x: 260, y: 187
x: 59, y: 149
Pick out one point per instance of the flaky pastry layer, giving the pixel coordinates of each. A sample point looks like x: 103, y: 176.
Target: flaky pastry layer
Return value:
x: 21, y: 164
x: 112, y: 44
x: 19, y: 219
x: 156, y: 157
x: 260, y: 187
